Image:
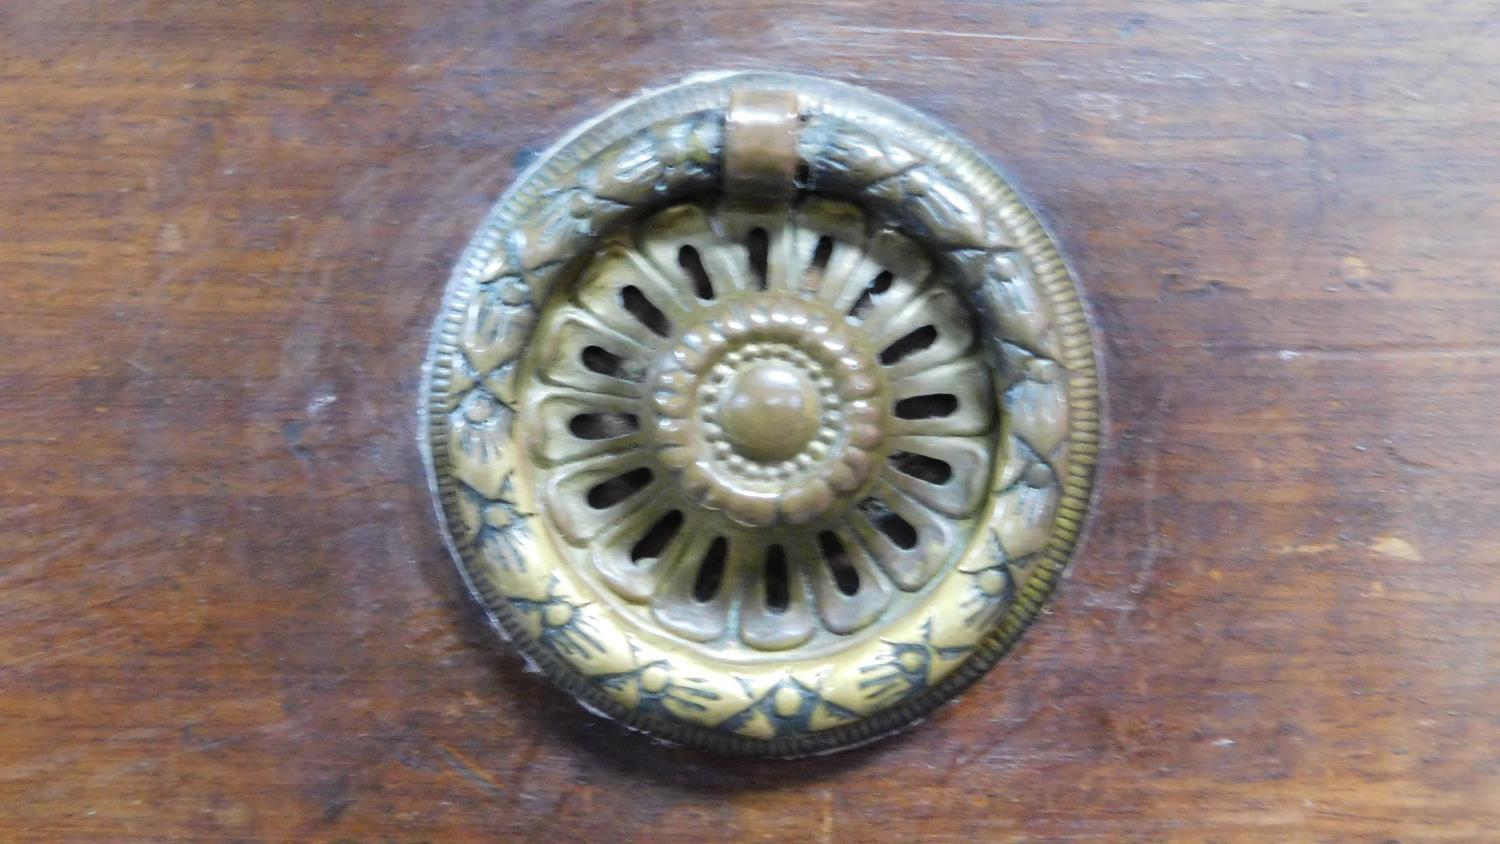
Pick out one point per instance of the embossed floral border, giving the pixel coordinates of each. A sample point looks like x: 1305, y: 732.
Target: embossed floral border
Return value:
x: 855, y: 145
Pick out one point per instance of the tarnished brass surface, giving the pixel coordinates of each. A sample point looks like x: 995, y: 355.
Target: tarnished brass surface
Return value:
x: 762, y: 414
x: 760, y: 144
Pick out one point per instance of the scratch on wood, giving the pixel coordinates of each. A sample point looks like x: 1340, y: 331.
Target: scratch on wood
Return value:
x: 471, y: 771
x: 83, y: 644
x: 1336, y: 354
x: 1153, y: 474
x: 1311, y: 548
x: 946, y: 33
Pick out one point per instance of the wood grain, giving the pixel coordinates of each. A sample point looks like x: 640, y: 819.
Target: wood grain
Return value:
x: 225, y: 613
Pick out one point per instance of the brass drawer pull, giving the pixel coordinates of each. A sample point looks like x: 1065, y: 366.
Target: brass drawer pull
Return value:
x: 762, y: 414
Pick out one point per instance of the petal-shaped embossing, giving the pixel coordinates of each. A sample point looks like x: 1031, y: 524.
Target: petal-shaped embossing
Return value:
x: 563, y: 424
x: 769, y: 239
x: 836, y: 266
x: 696, y: 593
x: 907, y: 539
x: 479, y: 443
x: 955, y: 399
x: 553, y: 233
x: 948, y: 474
x: 681, y: 241
x: 586, y: 496
x: 496, y: 324
x: 628, y: 171
x: 803, y: 254
x: 942, y: 208
x: 1015, y: 458
x: 842, y: 158
x: 1015, y: 303
x: 805, y: 502
x: 611, y: 290
x: 888, y: 293
x: 498, y: 545
x: 1024, y: 513
x: 1038, y: 406
x: 581, y: 352
x: 933, y: 330
x: 634, y: 553
x: 775, y: 609
x: 633, y: 297
x: 850, y: 589
x: 470, y: 508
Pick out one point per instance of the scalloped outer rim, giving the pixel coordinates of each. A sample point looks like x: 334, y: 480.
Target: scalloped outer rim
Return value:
x: 709, y: 91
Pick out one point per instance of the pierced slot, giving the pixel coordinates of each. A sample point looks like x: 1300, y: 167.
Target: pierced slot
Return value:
x: 878, y: 285
x: 836, y: 556
x: 913, y: 342
x: 890, y: 523
x: 606, y: 494
x: 711, y: 572
x: 759, y: 246
x: 655, y: 540
x: 603, y: 361
x: 922, y: 467
x: 931, y: 406
x: 603, y: 426
x: 637, y: 305
x: 692, y: 263
x: 778, y: 580
x: 821, y: 253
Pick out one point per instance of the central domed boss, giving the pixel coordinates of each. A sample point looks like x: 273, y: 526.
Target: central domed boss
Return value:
x: 763, y: 413
x: 770, y: 410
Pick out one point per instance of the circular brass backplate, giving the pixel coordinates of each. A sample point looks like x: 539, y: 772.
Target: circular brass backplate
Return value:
x: 761, y: 414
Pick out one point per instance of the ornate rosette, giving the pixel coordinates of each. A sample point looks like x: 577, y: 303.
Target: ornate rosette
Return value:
x: 762, y: 414
x: 744, y: 458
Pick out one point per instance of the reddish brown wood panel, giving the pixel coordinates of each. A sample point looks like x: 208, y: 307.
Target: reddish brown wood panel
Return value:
x: 225, y: 612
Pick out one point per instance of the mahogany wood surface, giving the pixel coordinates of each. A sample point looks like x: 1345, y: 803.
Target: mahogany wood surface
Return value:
x: 225, y: 612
